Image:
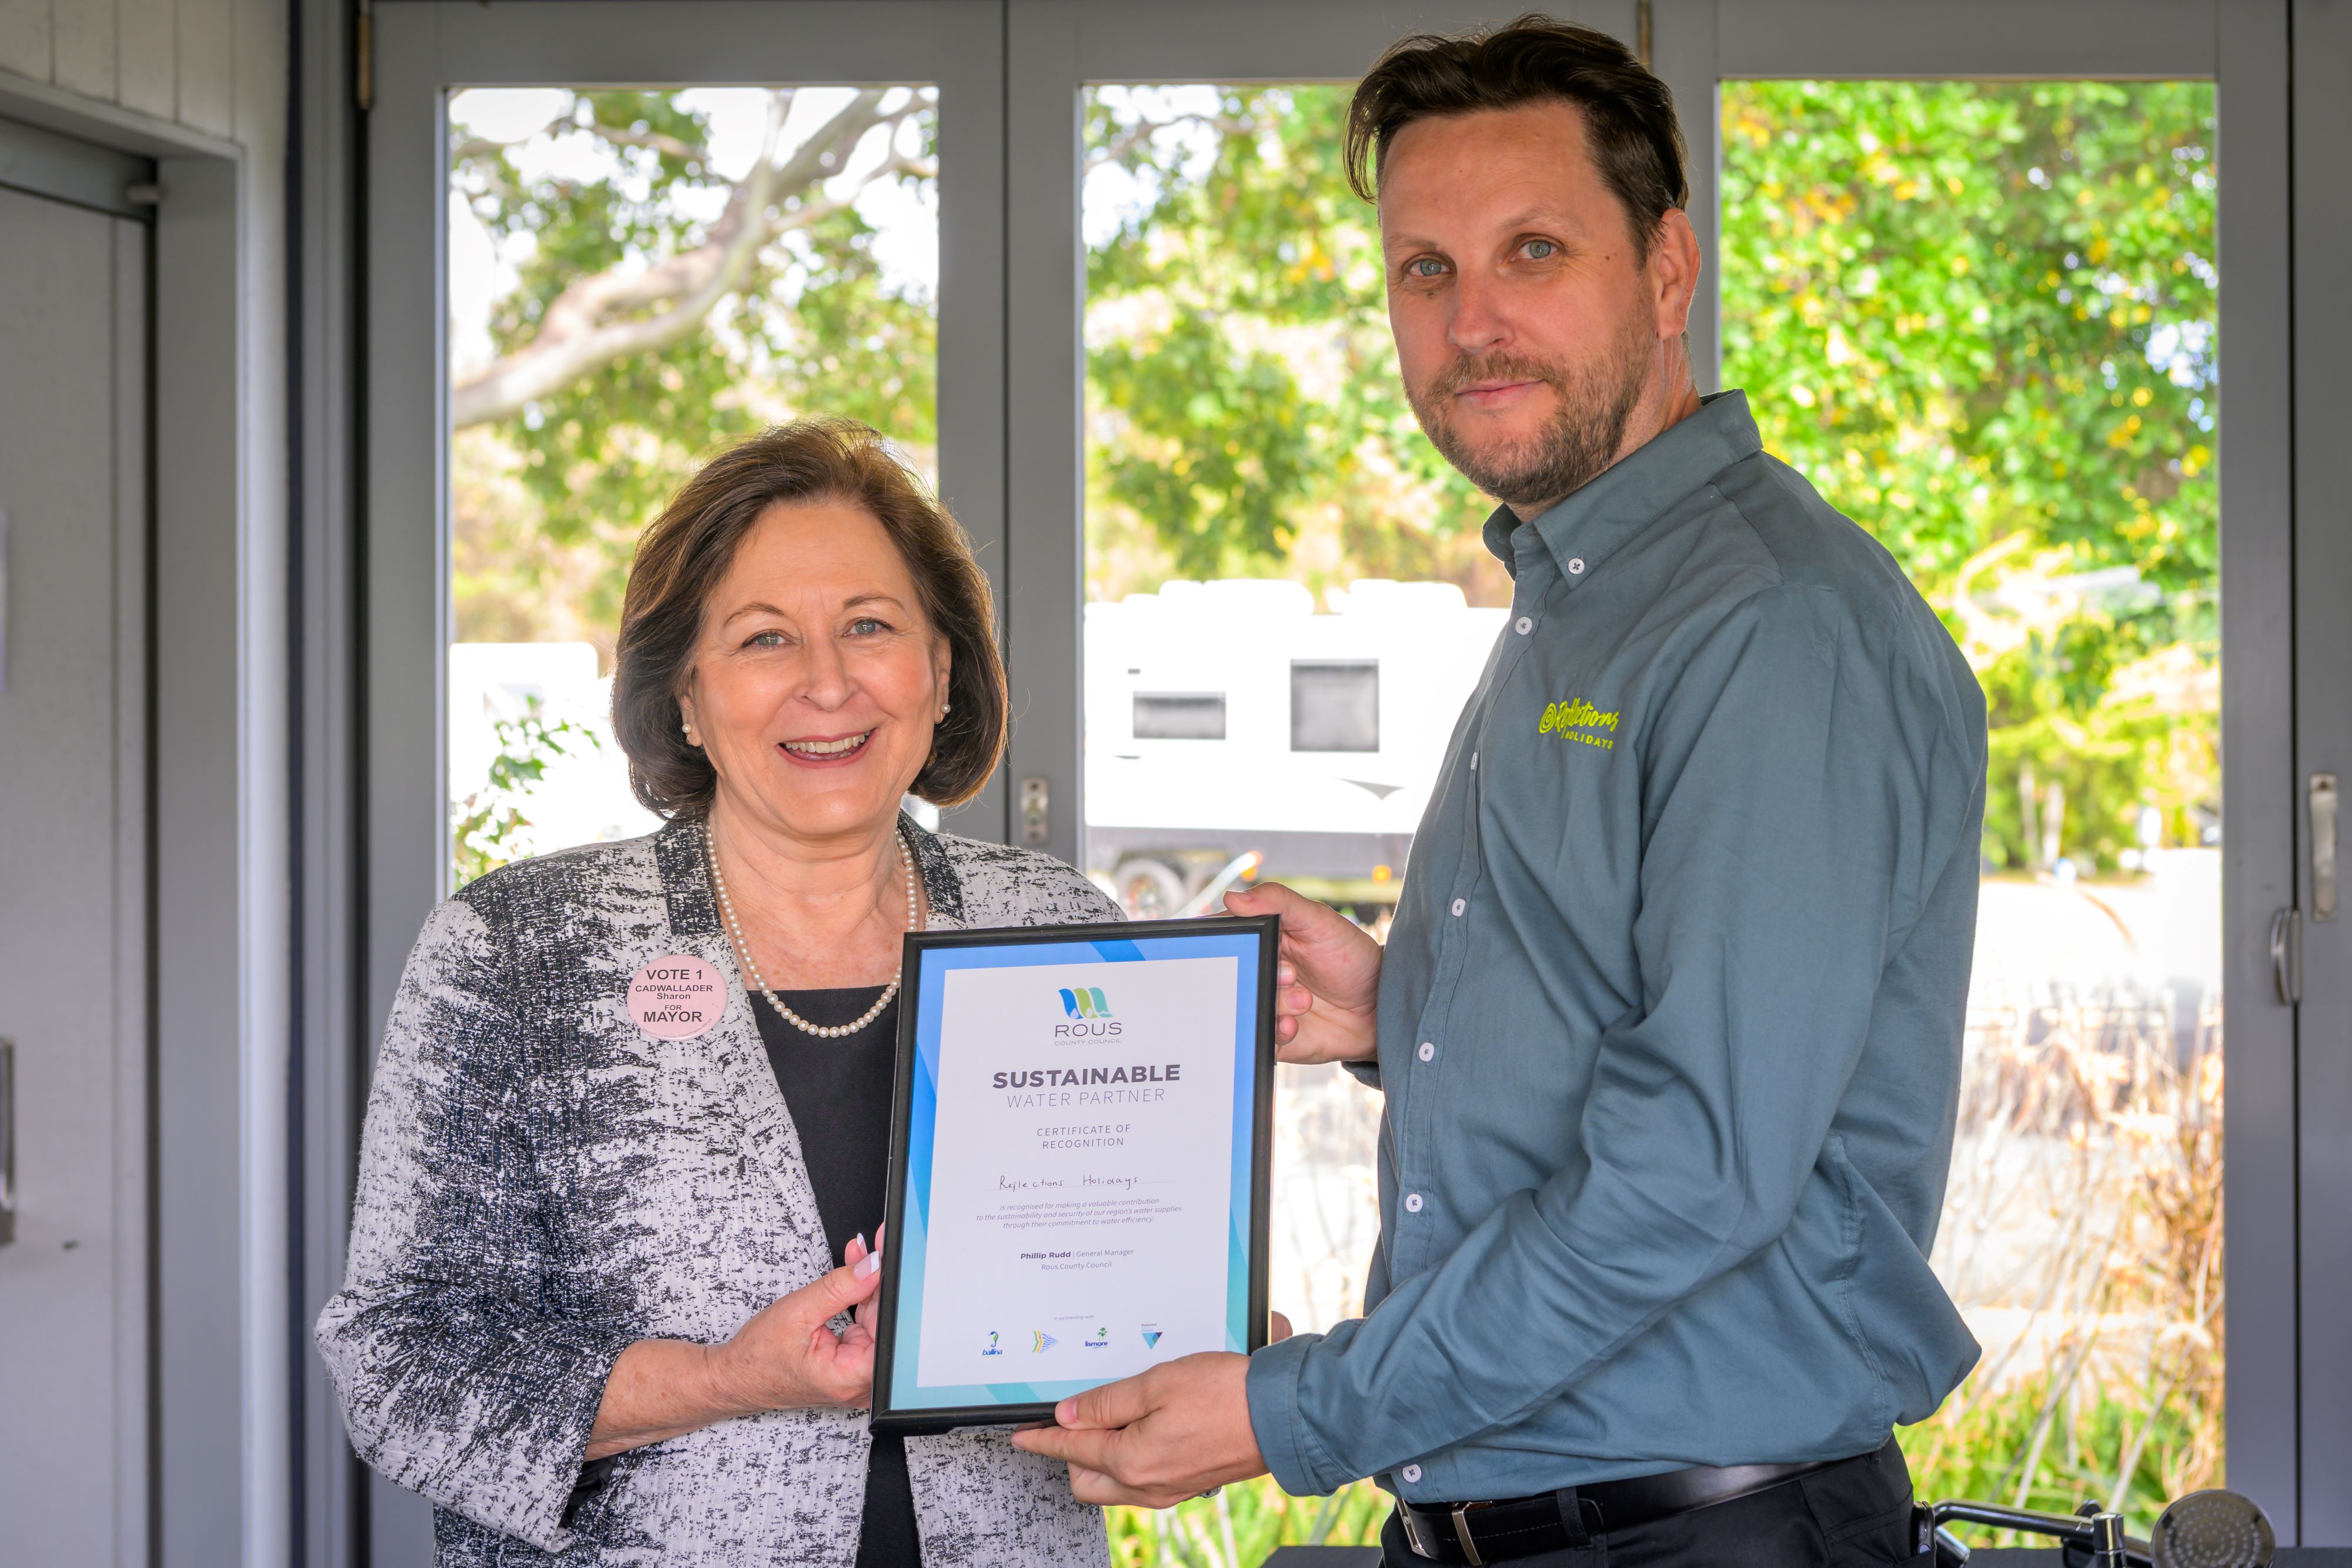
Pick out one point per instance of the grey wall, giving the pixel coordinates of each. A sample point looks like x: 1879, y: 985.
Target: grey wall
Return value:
x: 201, y: 86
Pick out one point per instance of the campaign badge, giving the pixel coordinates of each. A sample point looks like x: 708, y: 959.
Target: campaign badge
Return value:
x: 676, y: 997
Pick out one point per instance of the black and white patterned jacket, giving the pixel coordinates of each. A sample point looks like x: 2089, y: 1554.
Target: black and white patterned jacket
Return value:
x: 542, y: 1182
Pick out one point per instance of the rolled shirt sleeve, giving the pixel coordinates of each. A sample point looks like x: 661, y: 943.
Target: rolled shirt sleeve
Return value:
x: 461, y: 1377
x: 1793, y: 797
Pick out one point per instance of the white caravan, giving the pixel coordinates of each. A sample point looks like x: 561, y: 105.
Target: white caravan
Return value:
x: 1228, y: 720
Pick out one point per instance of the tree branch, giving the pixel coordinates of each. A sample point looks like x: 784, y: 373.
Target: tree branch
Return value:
x: 1135, y: 135
x: 610, y: 315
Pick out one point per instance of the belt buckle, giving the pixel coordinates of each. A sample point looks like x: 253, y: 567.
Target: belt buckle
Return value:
x: 1409, y: 1517
x: 1462, y: 1535
x: 1411, y: 1520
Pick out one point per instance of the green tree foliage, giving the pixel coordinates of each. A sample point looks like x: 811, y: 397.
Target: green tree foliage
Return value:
x: 1980, y: 318
x: 489, y: 828
x: 1245, y: 413
x: 814, y: 326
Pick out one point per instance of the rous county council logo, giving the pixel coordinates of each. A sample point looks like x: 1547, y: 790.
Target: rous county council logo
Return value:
x: 1085, y: 1002
x: 1151, y: 1336
x: 1044, y: 1340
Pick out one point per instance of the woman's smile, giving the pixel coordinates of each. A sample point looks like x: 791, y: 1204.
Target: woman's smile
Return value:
x: 825, y: 752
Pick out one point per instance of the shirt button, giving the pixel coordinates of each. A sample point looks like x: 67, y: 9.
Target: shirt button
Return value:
x: 1460, y: 904
x: 1576, y: 567
x: 1526, y: 625
x: 1427, y: 1051
x: 1411, y: 1473
x: 1412, y: 1203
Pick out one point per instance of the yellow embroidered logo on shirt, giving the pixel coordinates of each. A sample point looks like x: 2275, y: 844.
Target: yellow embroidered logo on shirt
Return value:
x: 1579, y: 720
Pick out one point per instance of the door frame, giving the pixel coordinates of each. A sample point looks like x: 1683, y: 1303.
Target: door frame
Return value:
x: 1012, y: 367
x: 211, y: 1172
x: 426, y: 49
x: 2320, y: 33
x: 1057, y: 46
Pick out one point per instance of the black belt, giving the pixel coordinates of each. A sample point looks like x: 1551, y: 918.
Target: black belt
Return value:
x: 1496, y: 1531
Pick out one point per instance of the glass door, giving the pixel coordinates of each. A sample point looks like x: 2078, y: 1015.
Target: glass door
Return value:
x: 635, y: 277
x: 607, y: 240
x: 1982, y: 318
x: 1972, y: 278
x: 2028, y: 415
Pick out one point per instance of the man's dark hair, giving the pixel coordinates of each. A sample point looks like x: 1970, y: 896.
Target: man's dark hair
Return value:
x: 1629, y: 115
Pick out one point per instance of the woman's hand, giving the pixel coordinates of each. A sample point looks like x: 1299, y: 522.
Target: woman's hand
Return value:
x: 1328, y: 981
x: 786, y: 1356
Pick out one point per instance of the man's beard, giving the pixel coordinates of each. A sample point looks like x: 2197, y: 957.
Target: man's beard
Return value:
x: 1595, y: 402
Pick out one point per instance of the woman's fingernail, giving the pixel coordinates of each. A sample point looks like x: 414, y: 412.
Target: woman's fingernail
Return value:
x: 1066, y: 1411
x: 864, y: 1268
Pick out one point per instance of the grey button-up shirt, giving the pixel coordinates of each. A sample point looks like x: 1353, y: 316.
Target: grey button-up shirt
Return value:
x: 1670, y: 1017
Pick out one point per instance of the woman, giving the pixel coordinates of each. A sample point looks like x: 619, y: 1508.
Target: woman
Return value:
x: 592, y: 1304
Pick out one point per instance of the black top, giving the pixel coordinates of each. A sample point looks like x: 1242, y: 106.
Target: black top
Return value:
x: 838, y: 1090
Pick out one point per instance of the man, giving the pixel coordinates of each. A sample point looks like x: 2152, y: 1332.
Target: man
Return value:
x: 1669, y: 1022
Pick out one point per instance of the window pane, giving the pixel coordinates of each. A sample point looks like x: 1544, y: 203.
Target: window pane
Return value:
x: 636, y: 280
x: 1264, y: 521
x: 1980, y: 318
x: 1168, y: 716
x: 1335, y: 707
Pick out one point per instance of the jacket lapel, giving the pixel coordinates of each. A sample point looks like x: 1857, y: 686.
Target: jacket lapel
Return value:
x: 734, y: 1043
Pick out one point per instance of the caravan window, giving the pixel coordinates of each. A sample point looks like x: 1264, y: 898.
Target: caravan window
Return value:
x: 1180, y: 715
x: 1335, y: 707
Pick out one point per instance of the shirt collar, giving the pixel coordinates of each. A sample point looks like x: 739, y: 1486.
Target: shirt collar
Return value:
x: 1591, y: 523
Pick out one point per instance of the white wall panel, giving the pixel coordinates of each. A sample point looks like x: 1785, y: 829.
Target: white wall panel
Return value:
x: 146, y: 49
x: 208, y: 68
x: 83, y: 47
x: 25, y: 37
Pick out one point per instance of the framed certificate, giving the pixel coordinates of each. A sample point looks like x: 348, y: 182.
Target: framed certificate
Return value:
x: 1078, y: 1159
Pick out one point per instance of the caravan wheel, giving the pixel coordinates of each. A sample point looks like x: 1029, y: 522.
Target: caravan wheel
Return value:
x: 1150, y: 890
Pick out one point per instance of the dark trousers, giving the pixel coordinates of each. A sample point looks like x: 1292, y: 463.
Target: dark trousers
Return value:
x: 1846, y: 1515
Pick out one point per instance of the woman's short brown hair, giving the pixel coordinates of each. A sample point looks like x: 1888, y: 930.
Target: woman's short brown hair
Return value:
x: 688, y: 549
x: 1629, y: 115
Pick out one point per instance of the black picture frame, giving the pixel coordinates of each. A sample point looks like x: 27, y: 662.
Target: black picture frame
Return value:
x: 927, y: 1419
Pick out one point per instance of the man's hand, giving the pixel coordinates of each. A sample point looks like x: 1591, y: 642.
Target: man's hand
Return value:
x: 1328, y: 980
x: 1157, y: 1438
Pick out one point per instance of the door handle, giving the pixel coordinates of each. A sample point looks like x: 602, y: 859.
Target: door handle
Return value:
x: 2323, y: 846
x: 2286, y: 956
x: 7, y: 1141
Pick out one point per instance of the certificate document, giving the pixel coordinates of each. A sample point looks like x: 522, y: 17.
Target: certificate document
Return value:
x: 1078, y: 1162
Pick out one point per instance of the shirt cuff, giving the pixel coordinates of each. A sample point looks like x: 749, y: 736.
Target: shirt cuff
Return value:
x: 1299, y: 1465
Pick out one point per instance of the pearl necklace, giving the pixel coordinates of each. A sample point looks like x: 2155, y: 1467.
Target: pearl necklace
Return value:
x: 743, y: 947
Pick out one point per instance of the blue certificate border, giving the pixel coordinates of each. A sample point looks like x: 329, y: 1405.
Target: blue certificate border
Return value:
x: 900, y: 1401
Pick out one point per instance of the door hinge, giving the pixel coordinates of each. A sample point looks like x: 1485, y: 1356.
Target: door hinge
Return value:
x: 1035, y: 813
x: 2286, y: 956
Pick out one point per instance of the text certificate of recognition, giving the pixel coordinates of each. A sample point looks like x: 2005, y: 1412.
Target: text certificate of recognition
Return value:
x: 1077, y: 1179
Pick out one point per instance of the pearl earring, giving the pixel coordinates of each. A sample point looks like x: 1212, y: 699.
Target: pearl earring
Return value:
x: 943, y: 710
